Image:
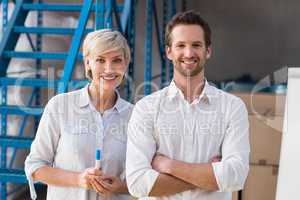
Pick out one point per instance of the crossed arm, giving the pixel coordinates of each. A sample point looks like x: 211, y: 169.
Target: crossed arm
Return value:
x: 181, y: 176
x: 157, y: 175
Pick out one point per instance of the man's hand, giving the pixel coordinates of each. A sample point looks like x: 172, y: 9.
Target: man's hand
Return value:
x: 161, y: 163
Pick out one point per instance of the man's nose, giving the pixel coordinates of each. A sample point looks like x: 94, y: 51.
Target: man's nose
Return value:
x: 188, y: 52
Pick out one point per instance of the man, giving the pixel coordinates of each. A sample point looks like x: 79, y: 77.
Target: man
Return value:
x: 190, y: 139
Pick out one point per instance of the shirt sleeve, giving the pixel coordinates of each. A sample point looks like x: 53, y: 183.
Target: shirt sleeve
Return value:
x: 43, y: 147
x: 141, y: 147
x: 231, y: 172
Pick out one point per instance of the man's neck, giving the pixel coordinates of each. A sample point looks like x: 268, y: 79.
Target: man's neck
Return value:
x: 191, y: 87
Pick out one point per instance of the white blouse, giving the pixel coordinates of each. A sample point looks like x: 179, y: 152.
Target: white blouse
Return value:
x: 70, y: 131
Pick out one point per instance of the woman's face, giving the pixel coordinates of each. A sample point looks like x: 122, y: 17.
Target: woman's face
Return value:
x: 107, y: 69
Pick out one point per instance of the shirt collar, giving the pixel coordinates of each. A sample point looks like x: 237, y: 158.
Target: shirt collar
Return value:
x: 205, y: 96
x: 84, y: 100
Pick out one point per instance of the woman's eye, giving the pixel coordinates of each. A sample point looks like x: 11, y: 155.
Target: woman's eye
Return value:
x: 118, y: 60
x: 100, y: 60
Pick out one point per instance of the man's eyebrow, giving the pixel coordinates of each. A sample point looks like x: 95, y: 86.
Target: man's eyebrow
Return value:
x: 197, y: 41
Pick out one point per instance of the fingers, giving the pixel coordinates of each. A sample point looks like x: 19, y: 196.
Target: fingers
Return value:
x: 108, y: 179
x: 107, y: 185
x: 217, y: 158
x: 93, y: 171
x: 98, y: 187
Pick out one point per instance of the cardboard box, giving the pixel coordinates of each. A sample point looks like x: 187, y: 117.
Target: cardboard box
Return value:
x: 263, y: 103
x: 265, y: 139
x: 235, y: 196
x: 261, y: 183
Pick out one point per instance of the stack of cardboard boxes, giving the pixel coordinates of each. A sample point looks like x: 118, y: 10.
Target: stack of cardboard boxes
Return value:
x: 266, y: 121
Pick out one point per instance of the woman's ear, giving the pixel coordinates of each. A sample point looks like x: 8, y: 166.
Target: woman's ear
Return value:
x: 86, y: 62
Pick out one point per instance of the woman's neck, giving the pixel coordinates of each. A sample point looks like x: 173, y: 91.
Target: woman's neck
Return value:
x: 102, y: 99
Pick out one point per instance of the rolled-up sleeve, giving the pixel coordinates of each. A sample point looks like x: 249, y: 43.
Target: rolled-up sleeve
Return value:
x: 141, y: 147
x: 43, y: 148
x: 232, y: 171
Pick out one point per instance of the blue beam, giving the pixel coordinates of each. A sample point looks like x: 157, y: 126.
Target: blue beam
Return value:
x: 61, y: 7
x: 3, y: 133
x: 48, y: 30
x: 108, y: 17
x: 29, y: 82
x: 127, y: 11
x: 12, y: 176
x: 160, y: 46
x: 100, y: 11
x: 75, y: 45
x: 17, y: 142
x: 131, y: 40
x: 20, y: 110
x: 10, y: 38
x: 165, y: 61
x: 38, y: 55
x: 5, y: 14
x: 171, y: 14
x: 148, y: 49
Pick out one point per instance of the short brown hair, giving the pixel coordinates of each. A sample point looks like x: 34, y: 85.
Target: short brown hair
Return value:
x: 188, y: 18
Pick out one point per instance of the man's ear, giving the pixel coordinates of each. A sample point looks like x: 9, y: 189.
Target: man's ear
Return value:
x: 168, y: 52
x: 208, y: 52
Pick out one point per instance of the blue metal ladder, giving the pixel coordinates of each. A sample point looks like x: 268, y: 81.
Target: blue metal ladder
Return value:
x: 15, y: 26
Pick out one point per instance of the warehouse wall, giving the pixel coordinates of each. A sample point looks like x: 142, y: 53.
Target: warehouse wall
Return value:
x: 249, y: 37
x: 255, y: 37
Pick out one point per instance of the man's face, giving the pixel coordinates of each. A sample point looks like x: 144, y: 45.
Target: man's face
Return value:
x: 188, y: 51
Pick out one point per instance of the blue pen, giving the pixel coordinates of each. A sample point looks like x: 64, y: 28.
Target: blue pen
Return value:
x: 98, y: 159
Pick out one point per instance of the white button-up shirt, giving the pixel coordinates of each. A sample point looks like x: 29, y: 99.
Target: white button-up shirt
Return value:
x: 70, y: 131
x: 214, y: 124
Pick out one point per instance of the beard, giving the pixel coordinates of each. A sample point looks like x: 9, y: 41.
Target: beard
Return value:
x: 189, y: 72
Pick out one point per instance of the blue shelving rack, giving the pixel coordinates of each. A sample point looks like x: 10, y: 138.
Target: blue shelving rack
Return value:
x: 169, y: 10
x: 105, y: 11
x: 108, y: 14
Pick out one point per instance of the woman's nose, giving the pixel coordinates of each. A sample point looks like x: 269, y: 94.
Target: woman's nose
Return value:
x: 108, y: 67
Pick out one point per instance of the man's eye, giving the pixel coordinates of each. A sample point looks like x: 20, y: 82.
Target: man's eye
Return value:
x: 180, y: 46
x: 197, y: 45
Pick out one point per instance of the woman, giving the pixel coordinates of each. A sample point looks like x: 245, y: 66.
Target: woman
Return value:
x: 75, y: 124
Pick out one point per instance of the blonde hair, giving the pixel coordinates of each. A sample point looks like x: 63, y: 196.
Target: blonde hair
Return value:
x: 104, y: 41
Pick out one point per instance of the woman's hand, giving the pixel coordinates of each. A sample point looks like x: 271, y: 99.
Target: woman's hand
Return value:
x: 86, y: 178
